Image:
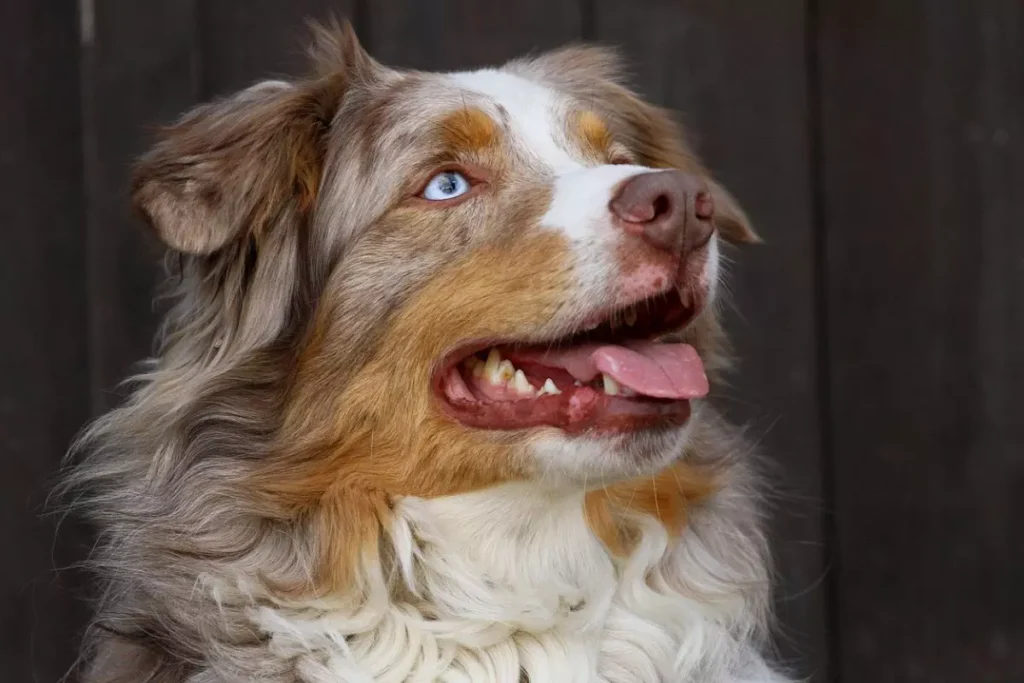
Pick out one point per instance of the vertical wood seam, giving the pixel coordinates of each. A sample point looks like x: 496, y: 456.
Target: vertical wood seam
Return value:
x: 819, y: 221
x: 87, y: 121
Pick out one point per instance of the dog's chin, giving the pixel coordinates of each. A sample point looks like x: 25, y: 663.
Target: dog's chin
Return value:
x: 599, y: 459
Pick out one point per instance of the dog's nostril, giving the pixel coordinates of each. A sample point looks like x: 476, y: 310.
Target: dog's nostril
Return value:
x: 662, y: 206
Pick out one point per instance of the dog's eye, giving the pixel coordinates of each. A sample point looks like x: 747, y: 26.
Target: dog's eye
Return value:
x: 446, y: 185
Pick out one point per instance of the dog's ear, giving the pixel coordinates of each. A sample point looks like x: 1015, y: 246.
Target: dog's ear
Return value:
x: 730, y: 218
x: 239, y: 165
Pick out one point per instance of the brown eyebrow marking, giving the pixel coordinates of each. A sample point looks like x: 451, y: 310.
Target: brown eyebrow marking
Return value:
x: 468, y: 129
x: 593, y: 134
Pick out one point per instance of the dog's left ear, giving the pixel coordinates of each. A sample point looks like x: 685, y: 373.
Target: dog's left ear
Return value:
x: 233, y: 168
x: 237, y: 167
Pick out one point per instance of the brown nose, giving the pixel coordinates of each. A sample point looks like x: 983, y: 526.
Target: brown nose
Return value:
x: 670, y: 210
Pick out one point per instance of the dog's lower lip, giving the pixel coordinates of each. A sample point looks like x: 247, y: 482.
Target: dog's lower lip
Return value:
x: 579, y: 410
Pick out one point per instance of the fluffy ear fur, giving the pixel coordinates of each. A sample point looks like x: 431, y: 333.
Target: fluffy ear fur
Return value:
x: 237, y: 166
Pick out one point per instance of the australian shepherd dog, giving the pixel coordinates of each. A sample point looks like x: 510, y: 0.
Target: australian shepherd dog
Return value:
x: 432, y: 399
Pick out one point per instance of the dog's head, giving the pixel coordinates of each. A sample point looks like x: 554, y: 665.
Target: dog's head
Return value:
x: 470, y: 277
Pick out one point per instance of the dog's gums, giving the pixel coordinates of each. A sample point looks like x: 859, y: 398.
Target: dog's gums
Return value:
x: 618, y: 375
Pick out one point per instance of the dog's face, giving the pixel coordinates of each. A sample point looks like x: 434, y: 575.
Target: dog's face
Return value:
x: 502, y: 274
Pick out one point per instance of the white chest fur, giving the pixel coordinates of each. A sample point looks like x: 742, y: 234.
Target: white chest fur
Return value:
x: 510, y: 584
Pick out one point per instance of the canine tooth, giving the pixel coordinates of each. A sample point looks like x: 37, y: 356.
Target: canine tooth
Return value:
x: 490, y: 370
x: 611, y: 387
x: 506, y: 371
x: 521, y: 384
x: 630, y: 316
x: 548, y: 388
x: 477, y: 366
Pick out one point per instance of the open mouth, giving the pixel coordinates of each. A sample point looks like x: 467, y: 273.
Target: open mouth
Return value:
x: 615, y: 376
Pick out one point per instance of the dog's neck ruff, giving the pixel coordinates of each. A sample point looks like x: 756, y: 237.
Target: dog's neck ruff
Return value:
x: 511, y: 585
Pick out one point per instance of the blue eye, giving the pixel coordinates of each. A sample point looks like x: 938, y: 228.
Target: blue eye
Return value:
x: 446, y: 185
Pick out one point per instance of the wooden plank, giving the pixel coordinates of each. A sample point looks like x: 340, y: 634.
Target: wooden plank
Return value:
x: 924, y: 165
x: 457, y: 34
x: 140, y: 71
x: 736, y: 72
x: 43, y: 358
x: 249, y: 40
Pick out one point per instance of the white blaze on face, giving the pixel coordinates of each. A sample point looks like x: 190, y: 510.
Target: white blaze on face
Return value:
x: 537, y: 116
x: 579, y: 203
x: 533, y: 111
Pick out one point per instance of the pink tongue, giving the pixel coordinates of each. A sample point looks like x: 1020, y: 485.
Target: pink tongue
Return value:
x: 651, y: 369
x: 658, y: 370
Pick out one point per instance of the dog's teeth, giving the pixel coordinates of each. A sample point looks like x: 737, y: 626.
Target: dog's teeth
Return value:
x: 548, y: 388
x: 521, y: 384
x: 491, y: 367
x: 626, y: 392
x: 578, y: 383
x: 497, y: 371
x: 477, y: 366
x: 630, y: 316
x: 611, y: 387
x: 506, y: 371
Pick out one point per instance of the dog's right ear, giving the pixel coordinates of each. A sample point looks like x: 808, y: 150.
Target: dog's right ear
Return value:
x: 240, y: 165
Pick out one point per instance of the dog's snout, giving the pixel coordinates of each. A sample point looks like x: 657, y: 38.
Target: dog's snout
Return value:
x: 670, y: 210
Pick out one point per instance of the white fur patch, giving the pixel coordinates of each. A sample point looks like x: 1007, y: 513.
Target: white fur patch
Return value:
x: 533, y: 111
x: 494, y: 584
x: 713, y: 267
x: 579, y: 203
x: 593, y: 462
x: 537, y: 117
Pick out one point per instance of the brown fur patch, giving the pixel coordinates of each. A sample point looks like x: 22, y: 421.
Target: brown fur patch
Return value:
x: 349, y: 524
x: 468, y: 130
x: 666, y: 496
x: 383, y: 432
x: 593, y: 134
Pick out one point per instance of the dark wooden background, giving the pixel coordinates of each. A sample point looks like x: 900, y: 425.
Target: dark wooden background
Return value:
x: 879, y: 145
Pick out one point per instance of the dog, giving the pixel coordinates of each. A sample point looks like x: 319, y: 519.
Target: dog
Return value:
x: 432, y: 398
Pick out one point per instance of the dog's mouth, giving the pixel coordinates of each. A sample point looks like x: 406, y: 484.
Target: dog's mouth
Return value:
x: 616, y: 375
